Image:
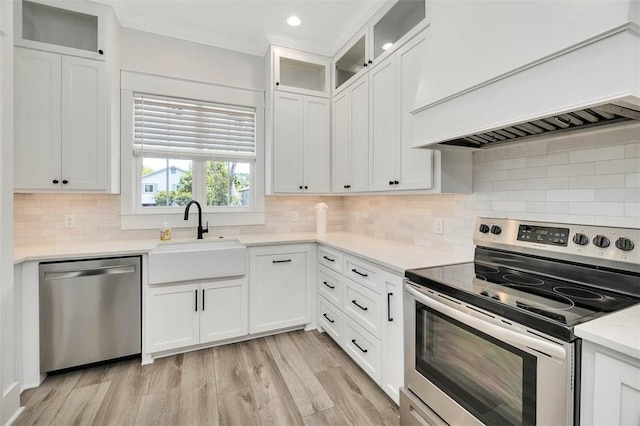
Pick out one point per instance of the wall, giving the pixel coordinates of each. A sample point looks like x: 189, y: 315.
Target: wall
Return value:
x: 591, y: 177
x: 39, y: 218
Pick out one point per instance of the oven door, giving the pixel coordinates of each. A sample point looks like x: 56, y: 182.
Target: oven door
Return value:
x: 471, y: 367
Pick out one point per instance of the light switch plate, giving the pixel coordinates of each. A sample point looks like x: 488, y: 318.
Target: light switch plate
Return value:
x: 70, y: 221
x: 438, y: 226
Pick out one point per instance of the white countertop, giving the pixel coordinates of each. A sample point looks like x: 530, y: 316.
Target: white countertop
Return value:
x: 393, y: 255
x: 619, y: 331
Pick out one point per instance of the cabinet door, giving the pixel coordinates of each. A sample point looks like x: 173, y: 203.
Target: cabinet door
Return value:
x: 301, y: 72
x: 341, y: 142
x: 278, y: 291
x: 416, y: 165
x: 288, y: 133
x: 316, y: 145
x: 84, y: 124
x: 37, y: 120
x: 384, y: 119
x: 393, y: 341
x: 616, y: 391
x: 173, y: 317
x: 359, y: 143
x: 223, y: 313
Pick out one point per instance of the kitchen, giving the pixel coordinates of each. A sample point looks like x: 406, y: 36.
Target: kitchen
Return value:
x: 589, y: 178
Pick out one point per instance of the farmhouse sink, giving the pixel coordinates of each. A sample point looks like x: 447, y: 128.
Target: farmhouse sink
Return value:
x: 197, y: 260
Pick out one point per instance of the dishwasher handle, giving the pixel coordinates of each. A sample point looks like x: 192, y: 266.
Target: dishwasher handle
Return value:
x: 103, y: 270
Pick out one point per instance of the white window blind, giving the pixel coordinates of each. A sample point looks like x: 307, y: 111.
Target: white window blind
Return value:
x: 187, y: 128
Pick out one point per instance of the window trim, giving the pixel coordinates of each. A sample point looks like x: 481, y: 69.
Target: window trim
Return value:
x: 138, y: 217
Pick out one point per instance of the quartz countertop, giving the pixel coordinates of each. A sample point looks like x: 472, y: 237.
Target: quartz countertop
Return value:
x: 619, y: 331
x: 393, y: 255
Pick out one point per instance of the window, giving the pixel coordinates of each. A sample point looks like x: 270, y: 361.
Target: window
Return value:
x: 149, y: 188
x: 193, y: 150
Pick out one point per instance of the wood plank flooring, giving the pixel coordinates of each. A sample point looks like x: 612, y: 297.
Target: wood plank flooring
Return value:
x: 296, y: 378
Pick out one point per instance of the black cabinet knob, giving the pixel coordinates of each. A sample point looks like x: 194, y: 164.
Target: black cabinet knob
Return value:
x: 484, y: 228
x: 100, y: 51
x: 390, y: 182
x: 496, y: 230
x: 348, y: 186
x: 624, y: 244
x: 65, y: 181
x: 581, y: 239
x: 395, y: 182
x: 365, y: 64
x: 306, y: 187
x: 601, y: 241
x: 277, y: 83
x: 56, y: 181
x: 300, y: 187
x: 370, y: 61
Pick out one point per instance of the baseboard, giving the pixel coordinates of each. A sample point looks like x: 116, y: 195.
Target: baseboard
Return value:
x: 11, y: 404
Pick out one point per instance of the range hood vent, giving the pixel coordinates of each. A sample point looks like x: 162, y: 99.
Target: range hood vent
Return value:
x: 580, y: 119
x: 592, y: 83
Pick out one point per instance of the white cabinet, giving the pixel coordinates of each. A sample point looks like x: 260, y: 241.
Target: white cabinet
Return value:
x: 351, y: 138
x: 301, y: 143
x: 181, y: 315
x: 300, y: 72
x: 394, y: 165
x: 61, y: 122
x: 393, y: 349
x: 610, y: 387
x: 281, y: 284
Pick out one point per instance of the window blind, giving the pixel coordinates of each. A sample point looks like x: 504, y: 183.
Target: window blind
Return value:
x: 187, y: 128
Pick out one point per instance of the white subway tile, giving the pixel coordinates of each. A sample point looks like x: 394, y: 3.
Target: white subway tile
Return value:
x: 547, y: 207
x: 509, y: 206
x: 578, y: 169
x: 493, y: 176
x: 483, y: 167
x: 511, y: 163
x: 632, y: 180
x: 527, y: 195
x: 530, y: 172
x: 597, y: 154
x: 598, y: 209
x: 623, y: 222
x: 568, y: 218
x: 629, y: 165
x: 632, y: 150
x: 632, y: 210
x: 629, y: 195
x: 548, y: 183
x: 548, y: 159
x: 571, y: 195
x: 510, y: 185
x: 597, y: 181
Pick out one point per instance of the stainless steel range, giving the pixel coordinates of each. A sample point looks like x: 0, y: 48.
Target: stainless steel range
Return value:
x: 492, y: 342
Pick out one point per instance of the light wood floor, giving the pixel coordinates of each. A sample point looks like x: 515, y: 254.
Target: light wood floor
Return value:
x: 294, y: 378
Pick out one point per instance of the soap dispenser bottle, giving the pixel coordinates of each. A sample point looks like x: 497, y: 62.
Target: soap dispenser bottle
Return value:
x: 165, y: 232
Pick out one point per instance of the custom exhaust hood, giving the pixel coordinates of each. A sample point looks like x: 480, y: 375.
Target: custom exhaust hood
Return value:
x: 593, y: 83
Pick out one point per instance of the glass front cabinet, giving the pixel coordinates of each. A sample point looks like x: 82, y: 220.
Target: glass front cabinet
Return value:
x: 383, y: 34
x: 300, y: 72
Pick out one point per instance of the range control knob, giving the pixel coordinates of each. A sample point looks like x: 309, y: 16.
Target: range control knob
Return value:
x: 581, y: 239
x: 484, y: 228
x: 624, y: 244
x: 601, y: 241
x: 496, y: 230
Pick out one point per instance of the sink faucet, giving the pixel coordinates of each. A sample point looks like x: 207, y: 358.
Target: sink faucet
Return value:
x: 186, y: 217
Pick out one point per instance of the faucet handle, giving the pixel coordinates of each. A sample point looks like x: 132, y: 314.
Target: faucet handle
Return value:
x: 206, y: 229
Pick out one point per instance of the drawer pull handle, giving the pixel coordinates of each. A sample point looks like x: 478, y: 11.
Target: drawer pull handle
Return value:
x: 361, y: 307
x: 389, y: 317
x: 196, y: 300
x: 328, y: 319
x: 281, y: 261
x: 358, y: 346
x: 359, y: 273
x: 327, y: 284
x: 328, y: 258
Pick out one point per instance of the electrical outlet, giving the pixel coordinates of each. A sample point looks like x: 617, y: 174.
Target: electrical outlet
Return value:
x: 438, y: 226
x: 294, y: 216
x: 70, y: 221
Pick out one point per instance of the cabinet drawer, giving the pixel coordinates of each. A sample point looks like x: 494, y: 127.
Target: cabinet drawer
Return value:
x: 363, y: 348
x: 330, y: 285
x: 331, y: 319
x: 330, y: 258
x: 363, y: 306
x: 362, y: 272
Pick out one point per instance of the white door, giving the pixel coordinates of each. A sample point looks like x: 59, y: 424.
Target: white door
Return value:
x: 173, y: 317
x: 288, y: 133
x: 393, y: 343
x: 84, y: 124
x: 317, y: 144
x: 359, y: 142
x: 278, y: 291
x: 384, y: 135
x: 416, y: 165
x: 37, y: 118
x: 223, y: 310
x: 341, y: 142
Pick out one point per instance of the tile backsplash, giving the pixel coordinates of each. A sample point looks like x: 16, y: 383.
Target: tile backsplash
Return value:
x: 589, y: 177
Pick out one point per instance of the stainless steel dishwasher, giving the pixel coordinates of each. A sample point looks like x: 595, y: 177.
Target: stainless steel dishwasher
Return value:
x: 89, y: 311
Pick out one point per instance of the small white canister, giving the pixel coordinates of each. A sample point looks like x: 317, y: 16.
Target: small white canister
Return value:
x: 321, y: 218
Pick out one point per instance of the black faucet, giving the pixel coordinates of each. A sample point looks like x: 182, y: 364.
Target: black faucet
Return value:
x: 186, y: 217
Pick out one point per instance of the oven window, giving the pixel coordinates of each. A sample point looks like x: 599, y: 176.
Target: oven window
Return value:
x: 491, y: 379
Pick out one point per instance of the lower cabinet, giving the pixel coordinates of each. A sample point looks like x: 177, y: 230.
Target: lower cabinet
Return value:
x: 281, y: 287
x: 360, y: 307
x: 181, y: 315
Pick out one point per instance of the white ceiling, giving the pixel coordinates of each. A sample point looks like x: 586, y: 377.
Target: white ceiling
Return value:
x: 249, y: 25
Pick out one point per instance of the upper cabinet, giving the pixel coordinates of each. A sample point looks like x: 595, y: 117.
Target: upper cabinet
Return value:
x: 78, y: 29
x: 388, y: 29
x: 300, y: 72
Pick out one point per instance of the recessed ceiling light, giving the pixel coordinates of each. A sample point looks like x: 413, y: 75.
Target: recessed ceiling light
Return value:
x: 294, y: 21
x: 387, y: 46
